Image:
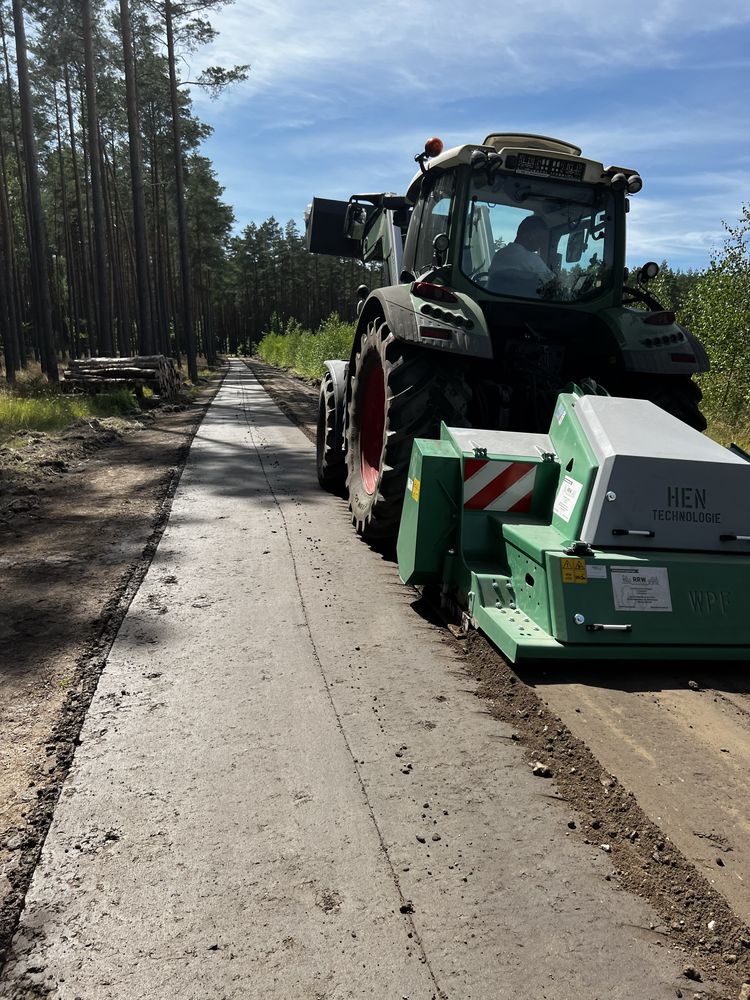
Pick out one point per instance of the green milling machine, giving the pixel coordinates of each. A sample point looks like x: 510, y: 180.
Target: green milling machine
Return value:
x: 621, y: 534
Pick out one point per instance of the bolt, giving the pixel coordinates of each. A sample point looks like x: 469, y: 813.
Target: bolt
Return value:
x: 579, y: 619
x: 611, y: 496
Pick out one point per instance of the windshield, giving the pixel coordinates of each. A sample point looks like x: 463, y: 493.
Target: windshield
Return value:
x: 538, y: 239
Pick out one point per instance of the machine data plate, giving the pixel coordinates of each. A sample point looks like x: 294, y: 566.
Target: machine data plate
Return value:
x: 641, y: 589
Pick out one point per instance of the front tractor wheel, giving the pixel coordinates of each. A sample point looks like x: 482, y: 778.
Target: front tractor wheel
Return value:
x: 398, y: 392
x: 330, y: 440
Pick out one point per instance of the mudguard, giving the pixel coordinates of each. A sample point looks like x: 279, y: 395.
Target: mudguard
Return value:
x: 405, y: 319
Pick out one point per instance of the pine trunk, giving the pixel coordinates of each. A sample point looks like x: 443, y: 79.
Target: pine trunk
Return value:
x: 182, y: 229
x: 143, y: 297
x: 39, y: 249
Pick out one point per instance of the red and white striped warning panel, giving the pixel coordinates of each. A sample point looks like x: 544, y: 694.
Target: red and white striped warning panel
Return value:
x: 490, y: 484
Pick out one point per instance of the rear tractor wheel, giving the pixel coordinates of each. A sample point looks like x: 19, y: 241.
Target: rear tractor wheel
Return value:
x: 398, y: 392
x: 677, y: 394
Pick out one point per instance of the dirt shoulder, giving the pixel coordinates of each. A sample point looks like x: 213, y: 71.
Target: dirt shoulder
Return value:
x: 81, y: 514
x: 664, y: 820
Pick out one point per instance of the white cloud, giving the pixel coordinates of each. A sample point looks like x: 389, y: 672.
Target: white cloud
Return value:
x: 341, y: 96
x: 412, y: 47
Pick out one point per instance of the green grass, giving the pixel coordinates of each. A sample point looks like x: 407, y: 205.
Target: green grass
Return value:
x: 49, y: 410
x: 726, y: 432
x: 303, y: 352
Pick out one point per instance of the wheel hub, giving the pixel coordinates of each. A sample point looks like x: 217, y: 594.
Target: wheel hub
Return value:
x: 373, y: 426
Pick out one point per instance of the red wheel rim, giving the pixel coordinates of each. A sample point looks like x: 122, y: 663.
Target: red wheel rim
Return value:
x: 372, y: 427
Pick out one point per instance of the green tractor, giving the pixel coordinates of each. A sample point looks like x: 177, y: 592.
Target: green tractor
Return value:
x: 505, y: 282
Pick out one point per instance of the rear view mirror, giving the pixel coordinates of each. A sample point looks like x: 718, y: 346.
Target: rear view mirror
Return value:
x: 576, y: 245
x: 355, y: 221
x: 440, y: 248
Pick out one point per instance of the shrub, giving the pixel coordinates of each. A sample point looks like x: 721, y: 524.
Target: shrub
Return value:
x: 303, y: 351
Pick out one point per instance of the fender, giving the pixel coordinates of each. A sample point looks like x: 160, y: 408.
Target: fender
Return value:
x: 465, y: 327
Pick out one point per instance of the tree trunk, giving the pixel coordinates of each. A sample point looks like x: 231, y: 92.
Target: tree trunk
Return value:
x: 182, y: 228
x: 145, y: 332
x: 103, y: 316
x: 11, y: 337
x: 81, y: 271
x: 38, y: 248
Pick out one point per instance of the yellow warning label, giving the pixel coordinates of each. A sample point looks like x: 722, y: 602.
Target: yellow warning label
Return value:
x: 573, y: 570
x: 415, y: 490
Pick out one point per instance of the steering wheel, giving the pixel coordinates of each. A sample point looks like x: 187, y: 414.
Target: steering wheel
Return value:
x: 638, y: 295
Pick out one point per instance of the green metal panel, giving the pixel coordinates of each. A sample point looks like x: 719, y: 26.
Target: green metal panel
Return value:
x: 430, y: 513
x: 665, y: 597
x: 529, y: 587
x: 578, y: 468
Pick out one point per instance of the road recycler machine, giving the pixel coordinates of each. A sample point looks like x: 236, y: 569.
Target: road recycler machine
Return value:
x: 521, y: 411
x: 622, y: 533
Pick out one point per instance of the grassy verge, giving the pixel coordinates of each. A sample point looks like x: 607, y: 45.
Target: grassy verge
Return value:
x: 48, y: 410
x: 726, y: 432
x: 304, y: 351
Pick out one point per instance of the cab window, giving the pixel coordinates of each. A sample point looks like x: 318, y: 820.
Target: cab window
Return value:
x: 436, y: 219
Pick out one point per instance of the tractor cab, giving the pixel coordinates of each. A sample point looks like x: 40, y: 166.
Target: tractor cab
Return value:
x: 523, y: 218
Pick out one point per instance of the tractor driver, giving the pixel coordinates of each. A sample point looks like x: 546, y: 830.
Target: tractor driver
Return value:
x: 517, y: 266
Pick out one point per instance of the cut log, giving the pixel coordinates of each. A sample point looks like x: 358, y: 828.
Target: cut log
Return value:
x: 158, y: 372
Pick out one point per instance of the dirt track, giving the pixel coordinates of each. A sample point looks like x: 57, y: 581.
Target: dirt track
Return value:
x: 676, y: 737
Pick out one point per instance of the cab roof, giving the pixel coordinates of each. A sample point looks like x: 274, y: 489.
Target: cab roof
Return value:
x: 506, y: 142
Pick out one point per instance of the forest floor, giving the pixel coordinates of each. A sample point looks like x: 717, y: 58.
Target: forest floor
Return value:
x: 653, y: 758
x: 81, y: 513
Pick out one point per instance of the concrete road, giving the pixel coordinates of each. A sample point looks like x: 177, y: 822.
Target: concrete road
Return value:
x: 286, y: 788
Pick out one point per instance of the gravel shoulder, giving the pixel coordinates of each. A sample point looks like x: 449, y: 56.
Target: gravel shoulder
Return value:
x: 81, y: 513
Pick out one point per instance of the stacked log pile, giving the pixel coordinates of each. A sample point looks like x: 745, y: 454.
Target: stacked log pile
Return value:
x: 92, y: 375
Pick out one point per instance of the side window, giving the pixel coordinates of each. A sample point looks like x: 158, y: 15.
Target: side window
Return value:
x: 436, y: 218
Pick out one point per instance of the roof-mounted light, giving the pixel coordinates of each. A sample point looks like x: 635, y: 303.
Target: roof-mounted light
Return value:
x: 433, y: 146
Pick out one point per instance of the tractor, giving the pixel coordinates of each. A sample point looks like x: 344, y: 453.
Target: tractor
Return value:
x: 504, y: 284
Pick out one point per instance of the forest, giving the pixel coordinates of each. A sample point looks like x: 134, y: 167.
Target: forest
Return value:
x: 115, y: 238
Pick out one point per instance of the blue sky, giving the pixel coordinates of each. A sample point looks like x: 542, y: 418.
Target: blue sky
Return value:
x: 342, y: 95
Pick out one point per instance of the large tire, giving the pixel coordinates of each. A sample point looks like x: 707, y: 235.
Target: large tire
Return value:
x: 329, y: 440
x: 398, y: 392
x: 677, y: 394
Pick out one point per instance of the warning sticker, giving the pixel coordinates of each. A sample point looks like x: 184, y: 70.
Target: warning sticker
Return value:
x: 566, y: 498
x: 641, y: 590
x: 560, y: 413
x: 594, y: 572
x: 415, y: 489
x: 573, y: 570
